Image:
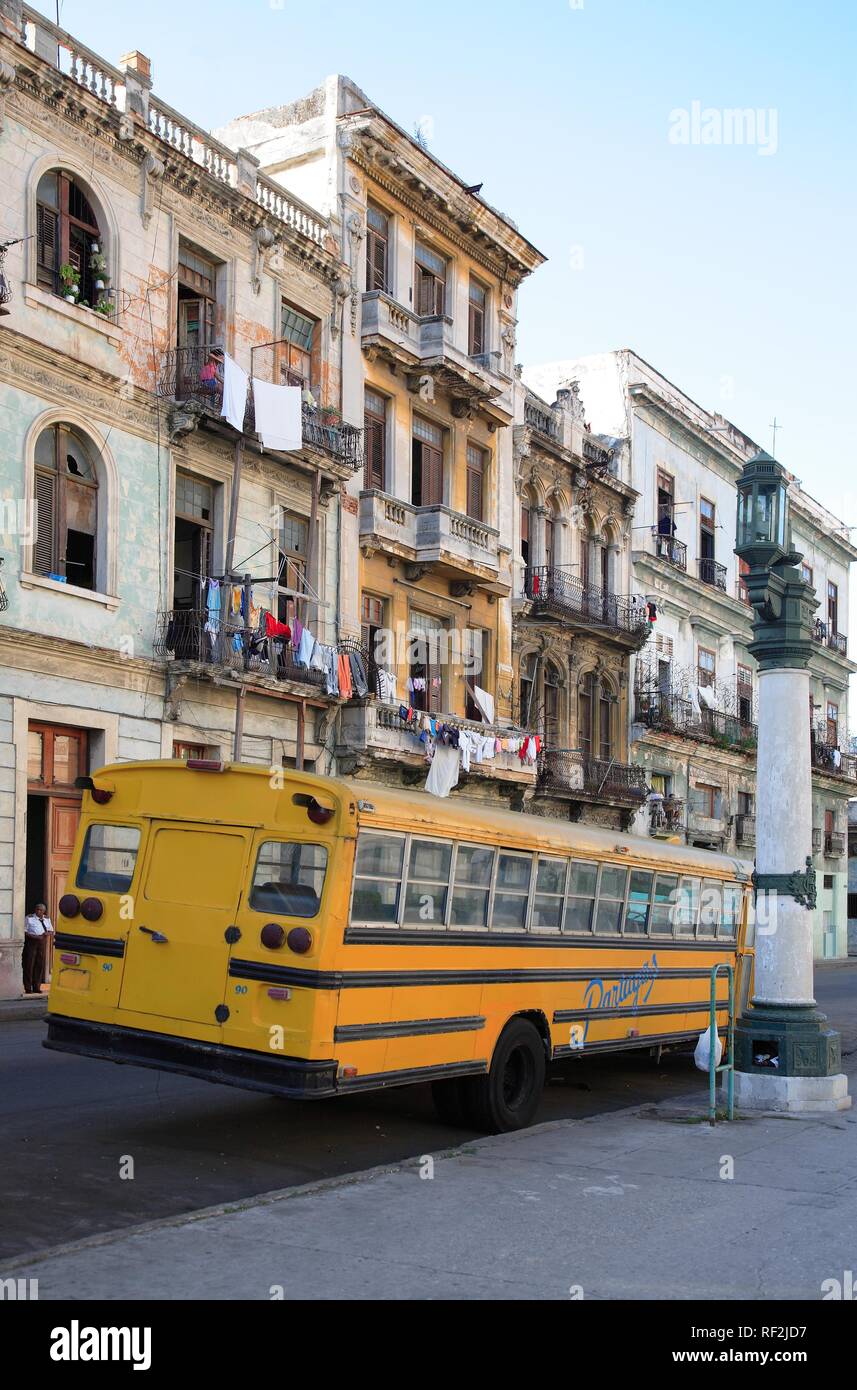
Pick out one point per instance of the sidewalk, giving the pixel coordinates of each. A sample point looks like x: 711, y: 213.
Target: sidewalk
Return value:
x: 19, y: 1010
x: 627, y: 1205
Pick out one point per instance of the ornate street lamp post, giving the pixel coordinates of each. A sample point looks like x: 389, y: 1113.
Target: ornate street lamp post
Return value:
x: 785, y: 1056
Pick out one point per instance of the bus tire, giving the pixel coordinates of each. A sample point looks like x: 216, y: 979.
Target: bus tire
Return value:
x: 508, y: 1096
x: 449, y: 1102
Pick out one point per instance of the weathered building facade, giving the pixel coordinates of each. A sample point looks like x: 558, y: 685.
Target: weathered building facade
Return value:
x: 145, y: 257
x: 693, y: 717
x: 429, y: 336
x: 575, y: 623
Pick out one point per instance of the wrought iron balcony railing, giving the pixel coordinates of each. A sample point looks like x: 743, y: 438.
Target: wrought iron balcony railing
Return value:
x: 745, y: 829
x: 666, y: 817
x: 834, y: 844
x: 676, y: 714
x: 828, y: 757
x: 828, y: 637
x: 713, y: 573
x: 668, y: 548
x: 187, y: 634
x: 571, y: 770
x: 196, y: 374
x: 559, y: 591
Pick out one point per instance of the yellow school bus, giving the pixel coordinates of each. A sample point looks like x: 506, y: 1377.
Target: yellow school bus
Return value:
x: 310, y: 936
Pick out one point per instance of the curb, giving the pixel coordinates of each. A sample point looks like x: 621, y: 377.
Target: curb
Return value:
x: 20, y: 1010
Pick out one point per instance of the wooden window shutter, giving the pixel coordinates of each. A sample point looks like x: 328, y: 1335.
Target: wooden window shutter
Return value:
x: 425, y: 292
x: 432, y: 476
x: 47, y: 238
x: 373, y: 476
x: 475, y: 475
x: 477, y: 330
x: 44, y: 550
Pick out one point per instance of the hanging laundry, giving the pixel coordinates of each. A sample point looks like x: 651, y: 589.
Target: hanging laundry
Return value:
x: 297, y: 633
x: 387, y: 687
x: 273, y: 628
x: 443, y: 773
x: 359, y: 675
x: 485, y: 703
x: 234, y: 393
x: 318, y: 660
x: 278, y: 415
x: 345, y: 686
x: 331, y: 684
x: 306, y: 647
x: 212, y: 605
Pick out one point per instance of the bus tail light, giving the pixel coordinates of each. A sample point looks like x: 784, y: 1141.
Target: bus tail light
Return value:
x: 69, y: 905
x: 91, y: 909
x: 272, y: 935
x: 348, y: 1071
x: 205, y: 764
x: 68, y: 959
x: 318, y: 814
x: 299, y: 940
x: 279, y: 993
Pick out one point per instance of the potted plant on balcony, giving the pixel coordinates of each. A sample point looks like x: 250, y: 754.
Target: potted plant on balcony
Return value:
x: 70, y: 281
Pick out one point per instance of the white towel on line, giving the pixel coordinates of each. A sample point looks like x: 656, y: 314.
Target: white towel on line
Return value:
x: 234, y: 393
x: 278, y: 415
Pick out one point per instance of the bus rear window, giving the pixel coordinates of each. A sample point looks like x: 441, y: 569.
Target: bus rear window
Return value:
x: 289, y: 878
x: 108, y: 858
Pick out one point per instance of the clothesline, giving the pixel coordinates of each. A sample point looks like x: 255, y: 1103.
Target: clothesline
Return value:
x: 451, y: 748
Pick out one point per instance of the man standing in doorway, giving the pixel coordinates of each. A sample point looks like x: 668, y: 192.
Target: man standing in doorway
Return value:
x: 37, y: 929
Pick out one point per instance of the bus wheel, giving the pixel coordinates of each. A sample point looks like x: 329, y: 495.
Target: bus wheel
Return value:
x: 507, y: 1098
x: 449, y: 1102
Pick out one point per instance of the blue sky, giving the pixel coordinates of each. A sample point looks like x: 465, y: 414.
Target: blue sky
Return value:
x: 728, y: 269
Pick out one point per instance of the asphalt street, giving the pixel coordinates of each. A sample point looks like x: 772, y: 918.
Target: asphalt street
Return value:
x: 70, y: 1125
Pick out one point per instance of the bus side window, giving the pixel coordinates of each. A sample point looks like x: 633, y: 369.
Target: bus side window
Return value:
x: 474, y: 868
x: 512, y: 892
x: 289, y: 878
x: 611, y: 898
x: 686, y: 908
x: 378, y: 878
x: 428, y: 882
x: 550, y: 894
x: 580, y: 902
x: 710, y: 908
x: 732, y: 896
x: 639, y: 898
x: 666, y: 895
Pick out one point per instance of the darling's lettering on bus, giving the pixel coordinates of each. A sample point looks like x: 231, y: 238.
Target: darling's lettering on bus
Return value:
x: 629, y: 990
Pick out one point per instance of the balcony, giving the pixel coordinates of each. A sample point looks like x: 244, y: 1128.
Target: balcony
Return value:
x: 182, y: 635
x: 568, y: 771
x: 745, y: 829
x: 668, y: 548
x: 829, y: 758
x: 666, y: 817
x: 675, y: 714
x: 541, y: 420
x: 557, y: 593
x: 713, y: 573
x: 425, y: 346
x: 706, y: 829
x: 374, y: 739
x: 834, y: 844
x: 193, y: 378
x: 434, y: 536
x: 827, y: 636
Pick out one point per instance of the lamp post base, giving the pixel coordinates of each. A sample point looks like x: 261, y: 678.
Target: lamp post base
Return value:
x: 791, y: 1094
x: 787, y: 1059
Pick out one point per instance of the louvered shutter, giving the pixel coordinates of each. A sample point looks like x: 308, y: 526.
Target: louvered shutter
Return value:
x: 424, y: 293
x: 474, y: 484
x: 376, y: 262
x: 44, y: 550
x: 477, y: 331
x: 374, y: 471
x: 47, y: 237
x: 432, y: 476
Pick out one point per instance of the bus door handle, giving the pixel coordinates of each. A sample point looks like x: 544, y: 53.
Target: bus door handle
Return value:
x: 155, y: 935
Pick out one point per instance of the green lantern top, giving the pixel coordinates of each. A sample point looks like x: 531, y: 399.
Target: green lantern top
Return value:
x: 763, y: 531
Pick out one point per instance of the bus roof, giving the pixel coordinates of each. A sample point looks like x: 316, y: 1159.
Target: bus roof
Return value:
x: 392, y: 808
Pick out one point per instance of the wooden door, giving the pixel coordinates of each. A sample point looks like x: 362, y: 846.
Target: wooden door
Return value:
x: 63, y: 818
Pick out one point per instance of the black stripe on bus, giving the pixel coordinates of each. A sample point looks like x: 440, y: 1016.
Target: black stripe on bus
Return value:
x: 272, y: 974
x: 89, y: 945
x: 636, y: 1010
x: 621, y: 1044
x: 412, y: 1028
x: 412, y: 936
x: 409, y: 1076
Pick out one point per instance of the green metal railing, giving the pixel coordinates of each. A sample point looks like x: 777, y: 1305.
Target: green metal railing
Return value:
x: 728, y: 1064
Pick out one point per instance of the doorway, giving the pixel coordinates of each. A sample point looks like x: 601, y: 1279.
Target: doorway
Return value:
x: 56, y: 755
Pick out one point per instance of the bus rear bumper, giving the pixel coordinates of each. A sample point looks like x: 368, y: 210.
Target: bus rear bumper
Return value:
x: 292, y: 1077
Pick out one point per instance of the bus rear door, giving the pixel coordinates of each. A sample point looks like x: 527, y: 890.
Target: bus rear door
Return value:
x: 177, y: 956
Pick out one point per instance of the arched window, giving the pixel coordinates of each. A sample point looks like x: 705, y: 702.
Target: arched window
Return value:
x: 529, y: 694
x: 525, y: 530
x: 66, y: 492
x: 67, y: 239
x: 550, y: 720
x: 549, y: 541
x: 595, y: 716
